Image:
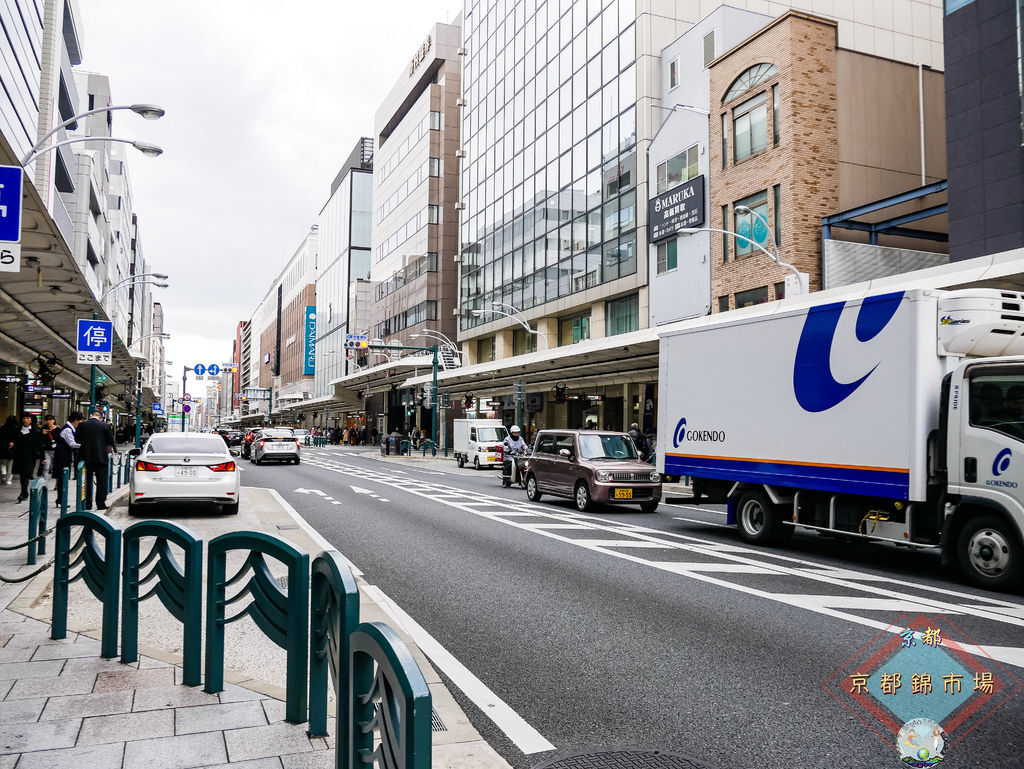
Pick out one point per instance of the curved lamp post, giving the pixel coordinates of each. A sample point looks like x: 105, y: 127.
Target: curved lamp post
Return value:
x: 799, y: 276
x: 147, y: 111
x: 517, y: 318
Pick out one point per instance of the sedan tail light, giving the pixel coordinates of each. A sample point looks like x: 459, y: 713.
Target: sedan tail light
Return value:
x: 296, y: 443
x: 148, y: 467
x: 225, y: 467
x: 261, y: 443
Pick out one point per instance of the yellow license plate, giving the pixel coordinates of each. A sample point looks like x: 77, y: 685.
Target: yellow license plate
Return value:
x: 623, y: 494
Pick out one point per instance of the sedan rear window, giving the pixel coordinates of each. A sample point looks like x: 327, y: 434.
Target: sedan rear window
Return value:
x: 277, y: 434
x: 169, y: 444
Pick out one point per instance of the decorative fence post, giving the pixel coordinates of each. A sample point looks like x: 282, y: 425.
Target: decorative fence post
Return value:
x: 334, y: 614
x: 389, y: 696
x: 38, y: 506
x: 81, y: 484
x: 179, y: 589
x: 65, y: 481
x: 110, y: 473
x: 282, y: 616
x: 101, y: 572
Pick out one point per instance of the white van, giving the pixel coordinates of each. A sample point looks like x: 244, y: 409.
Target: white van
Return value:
x: 478, y: 441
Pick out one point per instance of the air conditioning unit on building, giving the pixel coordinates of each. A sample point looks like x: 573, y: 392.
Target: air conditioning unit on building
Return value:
x: 455, y: 311
x: 460, y: 153
x: 460, y: 102
x: 462, y: 52
x: 460, y: 207
x: 457, y: 258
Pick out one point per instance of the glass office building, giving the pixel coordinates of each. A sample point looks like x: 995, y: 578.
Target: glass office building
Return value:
x: 552, y: 190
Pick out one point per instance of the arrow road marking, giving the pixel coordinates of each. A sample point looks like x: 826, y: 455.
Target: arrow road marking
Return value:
x: 361, y: 490
x: 310, y: 491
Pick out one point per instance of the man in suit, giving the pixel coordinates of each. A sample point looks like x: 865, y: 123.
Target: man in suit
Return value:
x: 96, y: 440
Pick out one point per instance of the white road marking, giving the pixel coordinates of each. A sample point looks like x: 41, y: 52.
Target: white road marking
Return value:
x: 335, y: 502
x: 622, y: 543
x: 721, y: 568
x: 702, y: 509
x: 809, y: 570
x: 304, y: 525
x: 360, y: 490
x: 702, y: 523
x: 515, y: 727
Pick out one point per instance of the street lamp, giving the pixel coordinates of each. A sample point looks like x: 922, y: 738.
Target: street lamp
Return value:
x: 518, y: 318
x: 801, y: 286
x: 149, y: 150
x: 448, y: 343
x: 147, y: 111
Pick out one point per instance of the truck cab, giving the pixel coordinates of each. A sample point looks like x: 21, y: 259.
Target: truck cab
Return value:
x: 478, y: 442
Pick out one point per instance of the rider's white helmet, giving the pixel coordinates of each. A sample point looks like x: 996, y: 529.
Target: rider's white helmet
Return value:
x: 514, y: 429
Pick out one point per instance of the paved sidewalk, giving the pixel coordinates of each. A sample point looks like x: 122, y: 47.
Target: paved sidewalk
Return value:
x: 62, y: 705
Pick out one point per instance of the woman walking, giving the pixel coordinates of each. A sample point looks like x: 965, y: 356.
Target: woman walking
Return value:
x: 28, y: 449
x: 7, y: 433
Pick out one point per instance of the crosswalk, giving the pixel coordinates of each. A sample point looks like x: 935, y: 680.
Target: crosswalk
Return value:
x: 846, y: 594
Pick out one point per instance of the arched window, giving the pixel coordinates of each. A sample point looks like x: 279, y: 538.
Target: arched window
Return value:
x: 748, y: 79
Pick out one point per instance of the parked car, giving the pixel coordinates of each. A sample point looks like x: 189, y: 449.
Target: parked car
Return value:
x: 248, y: 437
x: 183, y: 468
x: 591, y: 467
x: 231, y: 436
x: 277, y: 444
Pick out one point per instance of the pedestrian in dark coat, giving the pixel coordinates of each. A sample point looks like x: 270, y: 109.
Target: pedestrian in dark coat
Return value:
x: 64, y: 454
x: 7, y: 433
x: 97, y: 444
x: 28, y: 450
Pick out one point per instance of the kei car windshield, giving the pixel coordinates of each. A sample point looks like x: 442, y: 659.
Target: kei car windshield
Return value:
x: 607, y: 447
x: 491, y: 434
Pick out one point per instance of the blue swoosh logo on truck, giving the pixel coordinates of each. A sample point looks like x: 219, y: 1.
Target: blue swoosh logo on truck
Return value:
x: 814, y: 385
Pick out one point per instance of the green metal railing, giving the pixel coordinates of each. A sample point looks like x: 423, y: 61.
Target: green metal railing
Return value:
x: 38, y: 507
x: 334, y: 614
x: 100, y: 571
x: 389, y: 700
x: 179, y: 588
x: 429, y: 444
x: 282, y: 616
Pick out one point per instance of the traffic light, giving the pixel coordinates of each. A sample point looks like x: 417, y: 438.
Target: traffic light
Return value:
x: 560, y: 393
x: 356, y: 344
x: 468, y: 401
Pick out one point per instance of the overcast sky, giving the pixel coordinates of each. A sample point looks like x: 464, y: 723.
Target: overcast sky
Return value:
x: 265, y: 99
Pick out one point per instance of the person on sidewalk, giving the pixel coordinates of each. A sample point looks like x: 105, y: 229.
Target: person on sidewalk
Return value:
x: 97, y: 444
x: 50, y: 433
x: 28, y: 449
x: 7, y: 433
x: 64, y: 453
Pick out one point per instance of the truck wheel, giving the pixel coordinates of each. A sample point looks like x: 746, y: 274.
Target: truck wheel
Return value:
x: 990, y: 555
x: 532, y: 492
x: 582, y: 497
x: 476, y: 463
x: 461, y: 460
x: 759, y: 522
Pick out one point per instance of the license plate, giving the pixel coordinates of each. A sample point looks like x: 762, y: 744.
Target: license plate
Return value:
x: 186, y: 472
x: 622, y: 494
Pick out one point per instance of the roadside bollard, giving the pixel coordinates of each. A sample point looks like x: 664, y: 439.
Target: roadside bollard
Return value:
x: 65, y: 482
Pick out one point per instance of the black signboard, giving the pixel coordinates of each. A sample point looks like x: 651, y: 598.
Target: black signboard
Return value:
x: 679, y: 208
x: 60, y: 395
x: 10, y: 378
x: 38, y: 388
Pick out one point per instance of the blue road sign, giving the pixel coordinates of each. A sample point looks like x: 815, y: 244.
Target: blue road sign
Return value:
x: 10, y: 203
x: 199, y: 369
x: 213, y: 369
x: 95, y: 336
x: 158, y: 408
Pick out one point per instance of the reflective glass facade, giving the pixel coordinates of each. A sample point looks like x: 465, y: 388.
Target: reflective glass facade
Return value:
x: 550, y: 173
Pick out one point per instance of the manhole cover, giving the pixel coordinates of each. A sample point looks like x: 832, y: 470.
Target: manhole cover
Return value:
x: 622, y: 759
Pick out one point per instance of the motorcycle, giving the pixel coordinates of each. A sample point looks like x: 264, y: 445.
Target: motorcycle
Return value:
x: 517, y: 469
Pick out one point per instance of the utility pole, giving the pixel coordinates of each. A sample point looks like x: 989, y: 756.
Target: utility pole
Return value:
x: 92, y: 379
x: 138, y: 406
x: 433, y: 411
x: 184, y: 386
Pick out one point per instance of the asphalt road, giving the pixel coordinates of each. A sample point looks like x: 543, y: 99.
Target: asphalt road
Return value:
x: 656, y: 631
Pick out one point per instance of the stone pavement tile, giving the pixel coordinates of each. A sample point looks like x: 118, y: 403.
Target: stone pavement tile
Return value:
x: 259, y: 763
x: 21, y: 711
x: 475, y: 754
x: 130, y: 678
x: 147, y: 663
x: 5, y: 686
x: 8, y: 762
x: 95, y: 664
x: 274, y: 710
x: 262, y: 741
x: 6, y: 615
x: 83, y: 705
x: 114, y: 728
x: 25, y: 625
x: 93, y: 757
x: 37, y: 638
x: 16, y: 654
x: 235, y: 693
x: 22, y: 738
x: 52, y: 687
x: 89, y: 648
x: 230, y: 715
x: 183, y: 752
x: 321, y: 759
x: 4, y: 638
x: 172, y: 697
x: 13, y: 671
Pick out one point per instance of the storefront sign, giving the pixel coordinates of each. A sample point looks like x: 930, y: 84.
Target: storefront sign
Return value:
x: 680, y: 208
x: 309, y: 360
x: 38, y: 389
x: 10, y: 378
x: 61, y: 396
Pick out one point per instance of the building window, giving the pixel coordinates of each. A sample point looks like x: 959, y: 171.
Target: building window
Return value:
x: 777, y: 213
x: 523, y: 342
x: 751, y: 226
x: 775, y: 115
x: 725, y: 140
x: 622, y: 315
x: 431, y: 214
x: 756, y: 75
x: 435, y: 120
x: 751, y: 297
x: 666, y: 256
x: 574, y: 329
x: 673, y: 73
x: 678, y: 169
x: 709, y: 48
x: 725, y: 236
x: 434, y: 166
x: 485, y: 350
x: 780, y: 290
x: 723, y: 303
x: 750, y: 127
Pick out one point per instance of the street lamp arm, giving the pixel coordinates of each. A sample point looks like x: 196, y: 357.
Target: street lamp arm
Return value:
x: 148, y: 111
x: 150, y: 336
x: 150, y: 150
x: 133, y: 282
x: 518, y: 320
x: 755, y: 244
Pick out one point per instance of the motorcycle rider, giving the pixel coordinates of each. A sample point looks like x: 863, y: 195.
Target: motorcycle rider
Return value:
x: 512, y: 446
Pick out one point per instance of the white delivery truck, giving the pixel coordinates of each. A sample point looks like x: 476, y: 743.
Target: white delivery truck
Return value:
x: 478, y: 441
x: 895, y: 416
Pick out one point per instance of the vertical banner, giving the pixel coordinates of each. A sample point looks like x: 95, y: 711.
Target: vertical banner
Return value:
x: 309, y: 359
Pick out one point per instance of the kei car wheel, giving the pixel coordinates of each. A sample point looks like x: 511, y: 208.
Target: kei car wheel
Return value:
x: 476, y: 463
x: 532, y: 492
x: 582, y: 497
x: 648, y: 507
x: 461, y: 461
